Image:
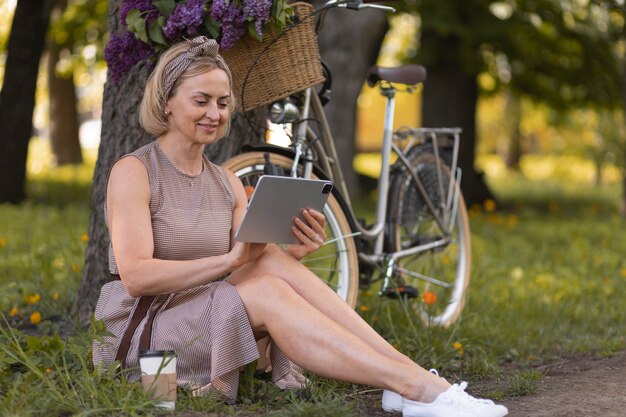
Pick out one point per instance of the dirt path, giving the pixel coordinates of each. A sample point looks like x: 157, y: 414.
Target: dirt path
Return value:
x: 585, y: 387
x: 573, y: 387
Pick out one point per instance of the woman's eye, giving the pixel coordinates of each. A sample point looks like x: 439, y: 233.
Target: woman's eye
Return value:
x: 200, y: 102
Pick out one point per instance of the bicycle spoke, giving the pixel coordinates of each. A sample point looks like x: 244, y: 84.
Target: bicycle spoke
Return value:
x: 425, y: 278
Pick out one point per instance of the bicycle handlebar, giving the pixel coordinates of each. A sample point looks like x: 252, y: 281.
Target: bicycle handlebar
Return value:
x: 359, y: 4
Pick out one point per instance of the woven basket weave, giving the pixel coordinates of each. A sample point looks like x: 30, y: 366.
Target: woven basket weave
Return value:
x: 273, y: 69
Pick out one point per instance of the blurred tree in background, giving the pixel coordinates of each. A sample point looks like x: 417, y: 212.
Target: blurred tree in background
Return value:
x: 17, y: 98
x: 561, y: 53
x: 75, y: 45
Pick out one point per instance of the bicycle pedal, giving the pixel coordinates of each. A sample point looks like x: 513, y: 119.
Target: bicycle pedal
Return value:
x: 406, y: 291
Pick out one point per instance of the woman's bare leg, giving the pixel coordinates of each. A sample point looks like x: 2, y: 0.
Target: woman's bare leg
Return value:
x: 321, y: 345
x: 276, y: 262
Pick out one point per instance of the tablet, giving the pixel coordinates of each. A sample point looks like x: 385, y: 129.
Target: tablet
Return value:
x: 274, y: 204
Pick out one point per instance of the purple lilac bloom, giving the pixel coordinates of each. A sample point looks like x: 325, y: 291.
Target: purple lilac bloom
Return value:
x: 124, y: 51
x: 259, y: 11
x: 185, y: 20
x: 233, y: 25
x: 218, y: 9
x: 141, y: 5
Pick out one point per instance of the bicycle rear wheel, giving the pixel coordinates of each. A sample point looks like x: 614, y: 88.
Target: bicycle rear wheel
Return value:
x: 336, y: 263
x: 441, y: 274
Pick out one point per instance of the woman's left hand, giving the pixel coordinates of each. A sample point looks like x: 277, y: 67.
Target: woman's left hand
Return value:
x: 311, y: 233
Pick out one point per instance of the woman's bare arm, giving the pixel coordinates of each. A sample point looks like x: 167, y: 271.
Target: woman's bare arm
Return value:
x: 128, y: 200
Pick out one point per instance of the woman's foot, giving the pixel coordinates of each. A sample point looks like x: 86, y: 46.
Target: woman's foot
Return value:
x: 454, y: 402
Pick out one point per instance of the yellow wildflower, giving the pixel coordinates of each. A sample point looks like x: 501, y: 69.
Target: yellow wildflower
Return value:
x: 364, y: 308
x: 14, y: 312
x: 56, y: 296
x: 623, y: 273
x: 75, y: 268
x: 33, y: 299
x: 458, y: 346
x: 35, y: 318
x: 3, y: 242
x: 84, y: 237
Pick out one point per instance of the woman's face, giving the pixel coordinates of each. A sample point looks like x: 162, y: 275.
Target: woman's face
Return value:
x: 199, y: 109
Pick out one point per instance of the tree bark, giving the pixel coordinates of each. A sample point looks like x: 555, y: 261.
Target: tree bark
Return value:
x: 349, y: 44
x: 17, y: 98
x: 121, y: 133
x: 514, y: 151
x: 64, y: 138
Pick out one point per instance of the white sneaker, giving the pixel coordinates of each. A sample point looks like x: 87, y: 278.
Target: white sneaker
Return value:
x: 454, y: 402
x: 392, y: 402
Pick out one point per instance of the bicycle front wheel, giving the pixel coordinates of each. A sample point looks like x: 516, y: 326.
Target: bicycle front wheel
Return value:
x: 441, y: 272
x: 336, y: 263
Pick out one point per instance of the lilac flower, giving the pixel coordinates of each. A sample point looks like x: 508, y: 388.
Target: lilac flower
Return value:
x: 259, y: 12
x: 141, y: 5
x: 233, y: 22
x: 124, y: 51
x: 185, y: 20
x: 218, y: 9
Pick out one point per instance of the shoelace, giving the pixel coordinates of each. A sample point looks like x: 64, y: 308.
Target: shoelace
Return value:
x: 457, y: 397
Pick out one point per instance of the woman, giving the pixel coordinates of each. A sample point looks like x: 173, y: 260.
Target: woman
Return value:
x: 185, y: 284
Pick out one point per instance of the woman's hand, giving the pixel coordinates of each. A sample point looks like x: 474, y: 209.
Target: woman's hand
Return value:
x: 310, y: 233
x: 246, y: 252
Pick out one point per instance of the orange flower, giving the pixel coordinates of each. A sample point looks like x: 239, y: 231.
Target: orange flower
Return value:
x: 33, y: 299
x: 249, y: 190
x: 14, y: 312
x: 364, y: 308
x: 429, y: 298
x: 84, y: 237
x: 489, y: 205
x: 35, y: 318
x: 3, y: 242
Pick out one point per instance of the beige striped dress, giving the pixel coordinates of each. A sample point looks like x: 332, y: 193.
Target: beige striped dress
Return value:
x: 207, y: 326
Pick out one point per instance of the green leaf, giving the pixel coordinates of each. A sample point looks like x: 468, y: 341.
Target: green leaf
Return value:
x: 165, y: 6
x: 212, y: 26
x: 131, y: 18
x: 156, y: 33
x: 140, y: 30
x: 252, y: 32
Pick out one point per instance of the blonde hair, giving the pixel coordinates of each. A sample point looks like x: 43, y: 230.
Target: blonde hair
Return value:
x: 152, y: 115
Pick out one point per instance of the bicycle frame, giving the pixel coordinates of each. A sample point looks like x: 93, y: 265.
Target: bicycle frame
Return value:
x: 328, y: 161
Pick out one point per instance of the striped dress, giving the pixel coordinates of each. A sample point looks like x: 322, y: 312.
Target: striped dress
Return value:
x: 207, y: 326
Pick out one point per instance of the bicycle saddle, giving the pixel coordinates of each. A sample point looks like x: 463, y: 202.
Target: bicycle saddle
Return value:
x: 410, y: 74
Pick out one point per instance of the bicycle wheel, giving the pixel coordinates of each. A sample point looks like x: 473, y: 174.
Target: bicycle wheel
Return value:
x: 336, y: 263
x: 442, y: 274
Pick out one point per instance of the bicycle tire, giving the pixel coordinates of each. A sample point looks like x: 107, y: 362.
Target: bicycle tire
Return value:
x: 336, y: 263
x: 412, y: 223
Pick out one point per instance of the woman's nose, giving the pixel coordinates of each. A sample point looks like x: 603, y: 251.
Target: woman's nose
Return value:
x: 212, y: 113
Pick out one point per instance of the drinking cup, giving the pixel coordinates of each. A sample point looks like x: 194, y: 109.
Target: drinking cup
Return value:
x: 158, y: 375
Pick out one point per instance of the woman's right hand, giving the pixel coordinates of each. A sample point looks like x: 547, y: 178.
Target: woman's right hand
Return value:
x: 246, y: 252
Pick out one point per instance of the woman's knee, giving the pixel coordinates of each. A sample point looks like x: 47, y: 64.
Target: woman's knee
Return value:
x: 263, y: 288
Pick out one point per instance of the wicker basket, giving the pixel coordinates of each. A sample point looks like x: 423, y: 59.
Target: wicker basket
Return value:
x: 272, y: 69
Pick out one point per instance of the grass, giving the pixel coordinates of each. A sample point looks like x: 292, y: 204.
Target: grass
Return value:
x: 549, y: 279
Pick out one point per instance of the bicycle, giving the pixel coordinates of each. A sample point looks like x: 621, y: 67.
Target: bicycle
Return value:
x: 419, y: 243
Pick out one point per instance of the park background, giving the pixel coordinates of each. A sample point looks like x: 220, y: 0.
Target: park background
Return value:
x: 549, y: 274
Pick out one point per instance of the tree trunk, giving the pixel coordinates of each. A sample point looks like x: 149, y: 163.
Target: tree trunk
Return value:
x: 17, y: 98
x: 622, y: 208
x: 449, y: 99
x: 64, y: 138
x: 121, y: 133
x: 349, y: 44
x: 514, y: 151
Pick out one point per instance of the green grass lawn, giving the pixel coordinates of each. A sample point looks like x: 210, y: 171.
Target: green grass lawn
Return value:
x: 548, y: 279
